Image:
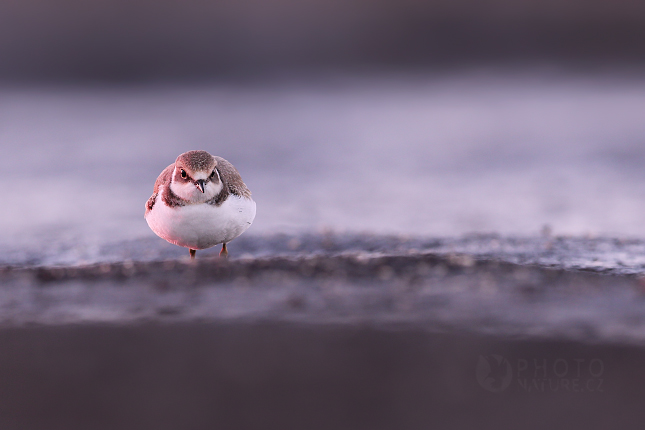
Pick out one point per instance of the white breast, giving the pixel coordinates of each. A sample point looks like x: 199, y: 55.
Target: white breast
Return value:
x: 200, y: 226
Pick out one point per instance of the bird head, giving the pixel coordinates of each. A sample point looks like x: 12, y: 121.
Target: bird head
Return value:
x: 195, y: 177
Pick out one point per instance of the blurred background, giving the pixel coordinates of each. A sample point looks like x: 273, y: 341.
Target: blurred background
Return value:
x: 142, y: 40
x: 426, y: 118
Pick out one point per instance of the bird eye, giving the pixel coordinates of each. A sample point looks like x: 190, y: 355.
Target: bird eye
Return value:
x: 183, y: 173
x: 213, y: 174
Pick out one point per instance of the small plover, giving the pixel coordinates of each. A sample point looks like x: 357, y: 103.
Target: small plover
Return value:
x: 200, y: 201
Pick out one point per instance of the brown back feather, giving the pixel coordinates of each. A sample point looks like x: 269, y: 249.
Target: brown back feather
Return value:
x: 232, y: 179
x: 164, y: 177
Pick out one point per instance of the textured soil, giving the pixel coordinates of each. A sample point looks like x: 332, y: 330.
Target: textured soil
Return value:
x: 356, y: 340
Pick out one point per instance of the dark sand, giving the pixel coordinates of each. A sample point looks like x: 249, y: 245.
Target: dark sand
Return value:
x: 269, y: 375
x: 354, y: 340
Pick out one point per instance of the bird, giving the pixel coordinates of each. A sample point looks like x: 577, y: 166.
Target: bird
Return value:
x: 200, y: 201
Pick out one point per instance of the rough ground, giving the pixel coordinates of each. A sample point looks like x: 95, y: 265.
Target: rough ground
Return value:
x: 348, y: 336
x: 426, y: 289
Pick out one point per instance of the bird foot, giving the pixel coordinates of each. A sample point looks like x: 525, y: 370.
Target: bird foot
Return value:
x: 224, y: 252
x: 192, y: 253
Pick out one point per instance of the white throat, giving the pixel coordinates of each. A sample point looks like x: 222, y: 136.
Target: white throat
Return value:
x: 188, y: 190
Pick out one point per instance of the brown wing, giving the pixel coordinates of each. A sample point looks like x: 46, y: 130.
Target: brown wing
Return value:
x: 231, y: 178
x: 162, y: 179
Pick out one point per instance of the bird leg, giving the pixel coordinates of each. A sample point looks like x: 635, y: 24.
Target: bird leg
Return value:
x: 224, y: 252
x: 192, y: 253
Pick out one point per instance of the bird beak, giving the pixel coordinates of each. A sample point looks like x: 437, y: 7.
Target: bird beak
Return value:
x: 200, y: 184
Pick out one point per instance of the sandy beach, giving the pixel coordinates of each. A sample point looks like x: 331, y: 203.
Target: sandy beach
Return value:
x: 345, y: 340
